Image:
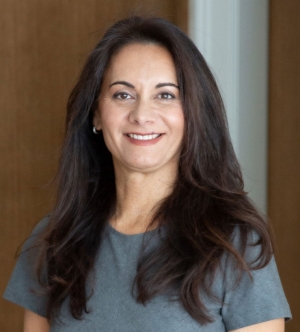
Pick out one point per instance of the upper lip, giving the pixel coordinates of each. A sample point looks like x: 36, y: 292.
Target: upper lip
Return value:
x: 143, y: 134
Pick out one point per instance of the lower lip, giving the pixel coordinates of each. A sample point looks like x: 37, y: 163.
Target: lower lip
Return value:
x: 143, y: 142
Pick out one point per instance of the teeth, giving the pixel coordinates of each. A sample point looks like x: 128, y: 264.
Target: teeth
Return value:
x: 143, y: 137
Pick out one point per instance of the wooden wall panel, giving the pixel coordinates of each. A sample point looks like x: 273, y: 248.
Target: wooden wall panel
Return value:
x: 42, y: 46
x: 284, y: 146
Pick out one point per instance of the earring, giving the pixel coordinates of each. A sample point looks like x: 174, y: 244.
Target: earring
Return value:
x: 95, y: 131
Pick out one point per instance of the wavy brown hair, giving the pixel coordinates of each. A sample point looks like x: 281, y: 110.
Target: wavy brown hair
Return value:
x: 207, y: 204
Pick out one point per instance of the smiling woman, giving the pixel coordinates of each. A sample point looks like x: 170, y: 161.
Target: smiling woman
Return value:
x: 152, y: 230
x: 140, y: 111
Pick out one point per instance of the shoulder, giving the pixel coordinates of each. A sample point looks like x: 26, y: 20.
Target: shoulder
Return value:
x: 255, y: 249
x: 24, y: 288
x: 256, y: 295
x: 36, y: 233
x: 41, y: 226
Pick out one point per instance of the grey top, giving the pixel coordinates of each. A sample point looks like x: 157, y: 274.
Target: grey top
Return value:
x: 112, y: 307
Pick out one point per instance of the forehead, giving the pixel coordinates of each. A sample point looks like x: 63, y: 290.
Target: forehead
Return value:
x: 138, y: 58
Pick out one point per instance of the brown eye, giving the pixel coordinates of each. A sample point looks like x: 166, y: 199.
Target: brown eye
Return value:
x: 166, y: 95
x: 122, y: 95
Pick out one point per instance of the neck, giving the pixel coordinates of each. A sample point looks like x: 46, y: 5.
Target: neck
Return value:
x: 138, y: 197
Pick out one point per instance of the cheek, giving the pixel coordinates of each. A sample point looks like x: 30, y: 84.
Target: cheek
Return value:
x: 112, y: 129
x: 177, y: 122
x: 106, y: 117
x: 111, y: 124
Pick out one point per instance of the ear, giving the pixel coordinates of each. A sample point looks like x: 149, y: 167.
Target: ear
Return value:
x: 97, y: 119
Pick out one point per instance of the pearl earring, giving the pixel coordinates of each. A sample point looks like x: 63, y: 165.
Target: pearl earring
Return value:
x: 95, y: 131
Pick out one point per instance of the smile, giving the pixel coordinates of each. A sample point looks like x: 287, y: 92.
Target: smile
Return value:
x: 143, y: 137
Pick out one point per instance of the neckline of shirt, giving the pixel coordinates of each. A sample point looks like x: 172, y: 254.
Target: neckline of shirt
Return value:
x: 125, y: 235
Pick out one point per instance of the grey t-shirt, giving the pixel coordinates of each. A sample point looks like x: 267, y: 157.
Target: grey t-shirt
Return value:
x: 113, y: 308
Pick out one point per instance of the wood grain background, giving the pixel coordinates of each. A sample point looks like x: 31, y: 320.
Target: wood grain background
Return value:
x: 284, y: 146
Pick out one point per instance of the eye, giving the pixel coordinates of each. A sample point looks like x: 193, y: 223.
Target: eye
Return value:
x: 121, y: 95
x: 166, y: 95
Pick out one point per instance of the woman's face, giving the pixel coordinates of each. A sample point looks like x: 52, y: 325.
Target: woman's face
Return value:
x: 140, y: 111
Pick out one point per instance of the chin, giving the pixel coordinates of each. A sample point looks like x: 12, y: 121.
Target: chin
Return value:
x: 144, y: 165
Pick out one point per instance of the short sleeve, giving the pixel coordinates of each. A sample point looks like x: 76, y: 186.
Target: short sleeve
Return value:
x: 255, y: 300
x: 23, y: 287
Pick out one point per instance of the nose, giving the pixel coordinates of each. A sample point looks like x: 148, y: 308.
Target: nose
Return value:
x: 142, y: 112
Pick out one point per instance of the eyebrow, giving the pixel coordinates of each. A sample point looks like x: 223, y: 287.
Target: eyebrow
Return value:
x: 123, y: 83
x: 160, y: 85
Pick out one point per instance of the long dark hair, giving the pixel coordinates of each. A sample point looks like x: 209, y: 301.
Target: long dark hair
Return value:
x: 200, y: 216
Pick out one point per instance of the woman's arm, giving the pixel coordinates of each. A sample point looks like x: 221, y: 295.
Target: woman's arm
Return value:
x: 35, y: 323
x: 276, y: 325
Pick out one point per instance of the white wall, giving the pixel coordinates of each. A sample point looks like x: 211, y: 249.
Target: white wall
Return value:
x: 233, y: 37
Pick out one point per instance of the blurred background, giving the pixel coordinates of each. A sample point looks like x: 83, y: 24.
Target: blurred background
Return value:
x: 253, y: 48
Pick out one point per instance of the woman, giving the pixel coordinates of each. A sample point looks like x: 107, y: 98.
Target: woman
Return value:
x: 152, y: 230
